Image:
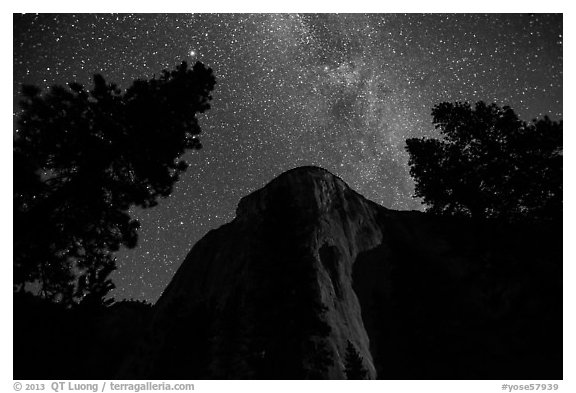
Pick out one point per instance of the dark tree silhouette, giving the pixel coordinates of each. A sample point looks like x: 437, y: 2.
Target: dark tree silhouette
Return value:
x: 83, y: 158
x: 489, y: 164
x: 75, y: 343
x: 354, y: 367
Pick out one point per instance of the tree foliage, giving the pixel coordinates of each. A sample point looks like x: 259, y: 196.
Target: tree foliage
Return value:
x: 354, y: 366
x: 489, y: 164
x: 83, y: 158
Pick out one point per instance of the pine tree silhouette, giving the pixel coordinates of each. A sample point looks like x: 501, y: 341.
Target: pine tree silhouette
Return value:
x: 82, y: 159
x: 489, y: 164
x: 354, y: 365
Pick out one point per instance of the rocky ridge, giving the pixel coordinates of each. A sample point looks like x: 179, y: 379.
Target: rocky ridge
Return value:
x: 309, y: 265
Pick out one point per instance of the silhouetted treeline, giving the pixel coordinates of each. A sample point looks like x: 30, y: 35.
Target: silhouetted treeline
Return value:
x: 489, y: 164
x: 354, y: 365
x: 52, y: 341
x: 82, y: 159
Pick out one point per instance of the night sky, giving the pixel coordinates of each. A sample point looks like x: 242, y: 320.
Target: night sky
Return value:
x: 338, y: 91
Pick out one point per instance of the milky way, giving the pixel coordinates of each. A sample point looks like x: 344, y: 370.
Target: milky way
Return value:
x: 338, y: 91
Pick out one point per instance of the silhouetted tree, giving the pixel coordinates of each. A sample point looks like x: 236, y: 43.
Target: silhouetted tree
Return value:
x: 489, y: 164
x: 83, y: 158
x: 94, y: 283
x: 354, y: 367
x: 74, y: 343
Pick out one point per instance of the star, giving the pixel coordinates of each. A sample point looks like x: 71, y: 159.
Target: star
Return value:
x: 341, y: 91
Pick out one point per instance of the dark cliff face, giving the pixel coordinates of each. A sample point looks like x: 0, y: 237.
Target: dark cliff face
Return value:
x: 309, y: 265
x: 454, y: 299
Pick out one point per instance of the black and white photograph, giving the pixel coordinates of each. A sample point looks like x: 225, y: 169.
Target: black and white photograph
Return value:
x: 288, y: 196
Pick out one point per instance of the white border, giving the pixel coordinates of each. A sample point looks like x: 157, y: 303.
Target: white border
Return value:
x: 491, y: 6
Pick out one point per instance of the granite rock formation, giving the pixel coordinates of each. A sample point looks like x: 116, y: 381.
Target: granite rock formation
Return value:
x: 309, y: 265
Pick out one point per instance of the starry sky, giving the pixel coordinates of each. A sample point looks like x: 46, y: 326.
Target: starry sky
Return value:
x: 341, y: 91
